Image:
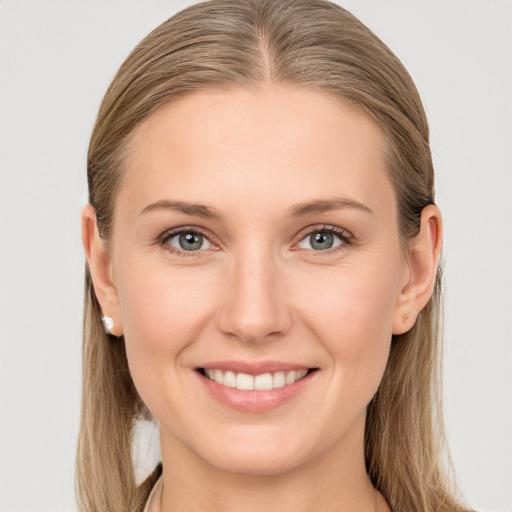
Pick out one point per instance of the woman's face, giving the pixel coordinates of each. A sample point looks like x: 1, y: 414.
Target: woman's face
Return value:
x: 255, y: 236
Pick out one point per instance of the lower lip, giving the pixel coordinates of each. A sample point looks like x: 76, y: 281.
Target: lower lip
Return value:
x: 253, y: 400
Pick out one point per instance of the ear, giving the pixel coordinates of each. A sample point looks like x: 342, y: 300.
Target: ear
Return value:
x: 422, y: 259
x: 100, y: 268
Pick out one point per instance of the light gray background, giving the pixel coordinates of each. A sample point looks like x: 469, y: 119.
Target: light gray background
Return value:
x: 57, y: 58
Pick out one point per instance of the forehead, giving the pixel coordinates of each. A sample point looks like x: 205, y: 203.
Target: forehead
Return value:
x: 256, y: 144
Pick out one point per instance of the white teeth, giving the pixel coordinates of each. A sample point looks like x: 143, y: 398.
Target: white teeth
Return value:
x: 244, y: 381
x: 279, y: 380
x: 229, y: 379
x: 219, y: 375
x: 301, y: 373
x: 262, y: 382
x: 265, y: 381
x: 291, y: 377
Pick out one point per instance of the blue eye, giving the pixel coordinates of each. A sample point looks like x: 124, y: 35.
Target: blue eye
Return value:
x: 188, y: 241
x: 324, y: 239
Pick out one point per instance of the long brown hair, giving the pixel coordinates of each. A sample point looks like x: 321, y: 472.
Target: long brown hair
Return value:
x: 244, y: 43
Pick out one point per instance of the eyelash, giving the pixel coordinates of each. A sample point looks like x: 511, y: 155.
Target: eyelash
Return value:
x: 162, y: 240
x: 345, y: 237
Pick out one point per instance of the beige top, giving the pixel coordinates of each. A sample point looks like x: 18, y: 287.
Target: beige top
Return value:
x: 155, y: 498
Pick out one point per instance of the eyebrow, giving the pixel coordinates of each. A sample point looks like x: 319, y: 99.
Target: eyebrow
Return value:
x: 298, y: 210
x: 199, y: 210
x: 325, y: 205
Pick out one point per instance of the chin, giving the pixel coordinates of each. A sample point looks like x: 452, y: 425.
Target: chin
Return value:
x: 260, y: 457
x: 256, y: 464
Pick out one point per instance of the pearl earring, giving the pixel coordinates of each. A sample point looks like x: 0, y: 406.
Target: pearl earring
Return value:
x: 108, y: 323
x: 405, y: 316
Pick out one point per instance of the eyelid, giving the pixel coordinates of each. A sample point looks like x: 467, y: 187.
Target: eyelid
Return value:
x: 345, y: 236
x: 162, y: 240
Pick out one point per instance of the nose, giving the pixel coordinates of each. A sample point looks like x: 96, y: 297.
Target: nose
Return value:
x: 255, y: 309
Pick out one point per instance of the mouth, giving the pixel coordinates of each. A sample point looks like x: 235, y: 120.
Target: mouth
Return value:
x: 261, y: 382
x: 255, y: 386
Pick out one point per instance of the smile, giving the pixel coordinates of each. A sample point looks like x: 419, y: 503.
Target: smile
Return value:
x: 262, y: 382
x: 254, y: 386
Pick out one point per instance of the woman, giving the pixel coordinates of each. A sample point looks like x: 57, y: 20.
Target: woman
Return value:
x: 263, y: 279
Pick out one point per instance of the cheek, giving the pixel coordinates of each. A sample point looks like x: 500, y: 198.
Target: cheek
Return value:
x: 352, y: 315
x: 158, y: 302
x: 352, y: 300
x: 162, y: 313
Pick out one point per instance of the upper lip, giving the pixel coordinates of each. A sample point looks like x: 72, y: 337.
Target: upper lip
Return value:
x: 254, y: 367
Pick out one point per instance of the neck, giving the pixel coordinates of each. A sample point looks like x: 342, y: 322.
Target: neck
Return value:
x: 331, y: 482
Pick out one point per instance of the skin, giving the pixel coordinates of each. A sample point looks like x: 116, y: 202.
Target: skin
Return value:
x: 257, y: 290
